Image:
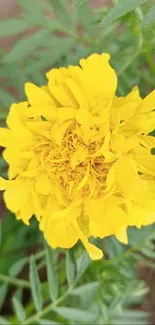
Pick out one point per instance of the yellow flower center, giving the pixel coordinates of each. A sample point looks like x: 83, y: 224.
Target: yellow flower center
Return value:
x: 73, y: 165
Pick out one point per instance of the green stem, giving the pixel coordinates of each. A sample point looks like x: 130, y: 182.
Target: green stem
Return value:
x: 47, y: 309
x: 15, y: 282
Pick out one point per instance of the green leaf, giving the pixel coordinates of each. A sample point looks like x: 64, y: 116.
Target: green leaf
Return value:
x: 86, y: 289
x: 79, y: 2
x: 52, y: 275
x: 59, y: 48
x: 76, y: 315
x: 85, y: 14
x: 70, y: 266
x: 26, y: 46
x: 3, y: 293
x: 17, y: 267
x: 30, y: 7
x: 120, y: 10
x: 6, y: 99
x: 149, y: 18
x: 19, y: 309
x: 61, y: 13
x: 35, y: 284
x: 47, y: 322
x: 12, y: 27
x: 82, y: 264
x: 4, y: 321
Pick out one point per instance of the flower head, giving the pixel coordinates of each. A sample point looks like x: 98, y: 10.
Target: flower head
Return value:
x: 80, y: 157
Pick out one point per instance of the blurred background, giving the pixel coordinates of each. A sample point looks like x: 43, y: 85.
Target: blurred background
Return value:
x: 38, y: 286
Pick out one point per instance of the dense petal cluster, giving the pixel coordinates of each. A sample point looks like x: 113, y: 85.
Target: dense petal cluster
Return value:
x: 80, y: 157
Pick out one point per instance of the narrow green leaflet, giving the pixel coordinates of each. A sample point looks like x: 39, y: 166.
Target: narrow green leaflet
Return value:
x: 4, y: 321
x: 85, y: 14
x: 35, y: 285
x: 82, y: 264
x: 27, y: 46
x: 3, y: 293
x: 13, y: 27
x: 58, y: 48
x: 19, y: 309
x: 70, y: 266
x: 149, y: 18
x: 86, y: 289
x: 61, y: 13
x: 52, y: 275
x: 120, y: 10
x: 17, y: 267
x: 30, y: 7
x: 77, y: 315
x: 47, y: 322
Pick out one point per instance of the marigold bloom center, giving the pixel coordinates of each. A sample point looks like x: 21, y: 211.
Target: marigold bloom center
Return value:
x: 74, y: 165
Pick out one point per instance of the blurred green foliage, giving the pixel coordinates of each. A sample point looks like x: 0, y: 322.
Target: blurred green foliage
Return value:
x: 37, y: 285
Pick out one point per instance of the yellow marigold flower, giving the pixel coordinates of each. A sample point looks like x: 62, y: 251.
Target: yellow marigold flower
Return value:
x: 80, y: 157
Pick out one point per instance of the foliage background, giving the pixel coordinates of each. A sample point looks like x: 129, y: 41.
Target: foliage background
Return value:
x: 37, y: 285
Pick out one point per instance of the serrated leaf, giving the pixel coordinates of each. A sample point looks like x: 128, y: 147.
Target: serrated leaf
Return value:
x: 4, y: 321
x: 12, y: 27
x: 120, y: 10
x: 26, y: 46
x: 76, y: 315
x: 19, y: 309
x: 70, y: 266
x: 86, y: 289
x: 35, y: 284
x: 149, y: 18
x: 17, y: 267
x: 52, y: 275
x: 61, y: 13
x: 3, y: 293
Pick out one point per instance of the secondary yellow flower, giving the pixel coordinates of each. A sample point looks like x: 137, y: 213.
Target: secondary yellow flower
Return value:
x: 80, y: 157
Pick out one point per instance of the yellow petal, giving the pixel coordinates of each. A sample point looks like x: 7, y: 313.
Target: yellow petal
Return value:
x: 146, y: 163
x: 65, y: 113
x: 4, y: 184
x: 43, y: 184
x: 12, y: 197
x: 94, y: 252
x: 42, y: 110
x: 37, y: 95
x: 94, y: 207
x: 122, y: 236
x: 147, y: 141
x: 63, y: 96
x: 99, y: 75
x: 127, y: 177
x: 5, y: 135
x: 83, y: 116
x: 58, y: 132
x: 78, y: 157
x: 77, y: 92
x: 16, y: 121
x: 148, y: 103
